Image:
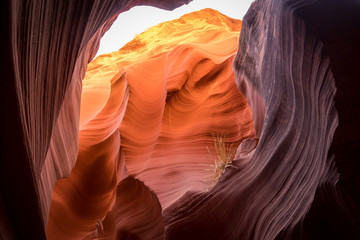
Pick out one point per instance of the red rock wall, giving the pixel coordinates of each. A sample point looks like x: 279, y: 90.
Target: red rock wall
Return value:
x: 46, y: 48
x: 297, y: 65
x: 166, y: 99
x: 289, y: 182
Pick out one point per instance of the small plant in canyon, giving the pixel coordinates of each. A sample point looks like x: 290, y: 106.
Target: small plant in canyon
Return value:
x: 224, y: 156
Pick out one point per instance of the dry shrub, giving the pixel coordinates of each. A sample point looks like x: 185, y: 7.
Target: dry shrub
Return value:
x: 224, y: 155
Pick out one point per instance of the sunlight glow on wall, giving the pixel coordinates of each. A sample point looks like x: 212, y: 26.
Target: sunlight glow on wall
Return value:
x: 129, y: 24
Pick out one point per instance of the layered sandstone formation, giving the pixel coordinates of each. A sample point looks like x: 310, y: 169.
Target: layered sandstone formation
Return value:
x: 296, y: 64
x: 164, y: 94
x: 290, y: 182
x: 46, y: 48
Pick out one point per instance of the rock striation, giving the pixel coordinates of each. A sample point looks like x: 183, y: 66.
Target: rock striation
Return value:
x: 166, y: 93
x: 126, y: 136
x: 45, y: 51
x: 290, y: 182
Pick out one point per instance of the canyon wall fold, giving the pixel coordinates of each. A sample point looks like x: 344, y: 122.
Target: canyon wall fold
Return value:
x: 285, y: 72
x: 168, y: 93
x: 124, y: 147
x: 46, y: 48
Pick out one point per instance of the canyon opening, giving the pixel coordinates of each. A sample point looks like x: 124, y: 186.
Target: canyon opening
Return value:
x: 202, y: 126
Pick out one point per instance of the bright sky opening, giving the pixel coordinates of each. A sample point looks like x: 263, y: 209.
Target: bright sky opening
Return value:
x: 138, y: 19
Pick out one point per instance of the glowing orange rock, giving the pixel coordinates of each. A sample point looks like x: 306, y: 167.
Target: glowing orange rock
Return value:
x: 166, y: 92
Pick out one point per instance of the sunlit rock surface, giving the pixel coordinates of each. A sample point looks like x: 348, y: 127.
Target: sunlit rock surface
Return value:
x: 45, y: 50
x: 288, y: 187
x: 167, y: 93
x: 296, y: 177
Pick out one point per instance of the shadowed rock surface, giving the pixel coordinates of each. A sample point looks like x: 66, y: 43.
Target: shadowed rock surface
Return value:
x: 295, y: 177
x: 166, y: 92
x: 45, y: 50
x: 290, y: 188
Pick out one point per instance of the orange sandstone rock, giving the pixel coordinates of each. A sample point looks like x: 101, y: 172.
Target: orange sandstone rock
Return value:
x: 166, y: 92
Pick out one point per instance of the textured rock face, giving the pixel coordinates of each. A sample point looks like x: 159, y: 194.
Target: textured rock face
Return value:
x: 289, y: 182
x: 297, y: 65
x: 166, y: 93
x: 46, y: 47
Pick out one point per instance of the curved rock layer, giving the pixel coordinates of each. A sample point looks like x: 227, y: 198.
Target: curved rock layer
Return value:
x: 135, y: 215
x: 81, y: 199
x: 291, y: 55
x: 288, y: 183
x: 45, y: 51
x: 168, y: 96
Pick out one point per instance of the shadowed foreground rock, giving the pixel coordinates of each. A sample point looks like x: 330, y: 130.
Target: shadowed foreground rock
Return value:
x: 45, y: 49
x: 166, y: 92
x: 298, y: 67
x: 300, y: 181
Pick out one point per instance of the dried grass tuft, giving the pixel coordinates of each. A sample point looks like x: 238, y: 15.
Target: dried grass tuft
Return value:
x: 224, y: 156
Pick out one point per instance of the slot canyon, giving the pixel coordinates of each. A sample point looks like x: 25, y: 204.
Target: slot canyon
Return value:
x: 202, y: 127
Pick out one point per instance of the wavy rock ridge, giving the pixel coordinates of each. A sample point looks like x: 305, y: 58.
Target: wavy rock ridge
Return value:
x: 297, y: 66
x: 285, y: 73
x: 166, y: 99
x: 46, y: 48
